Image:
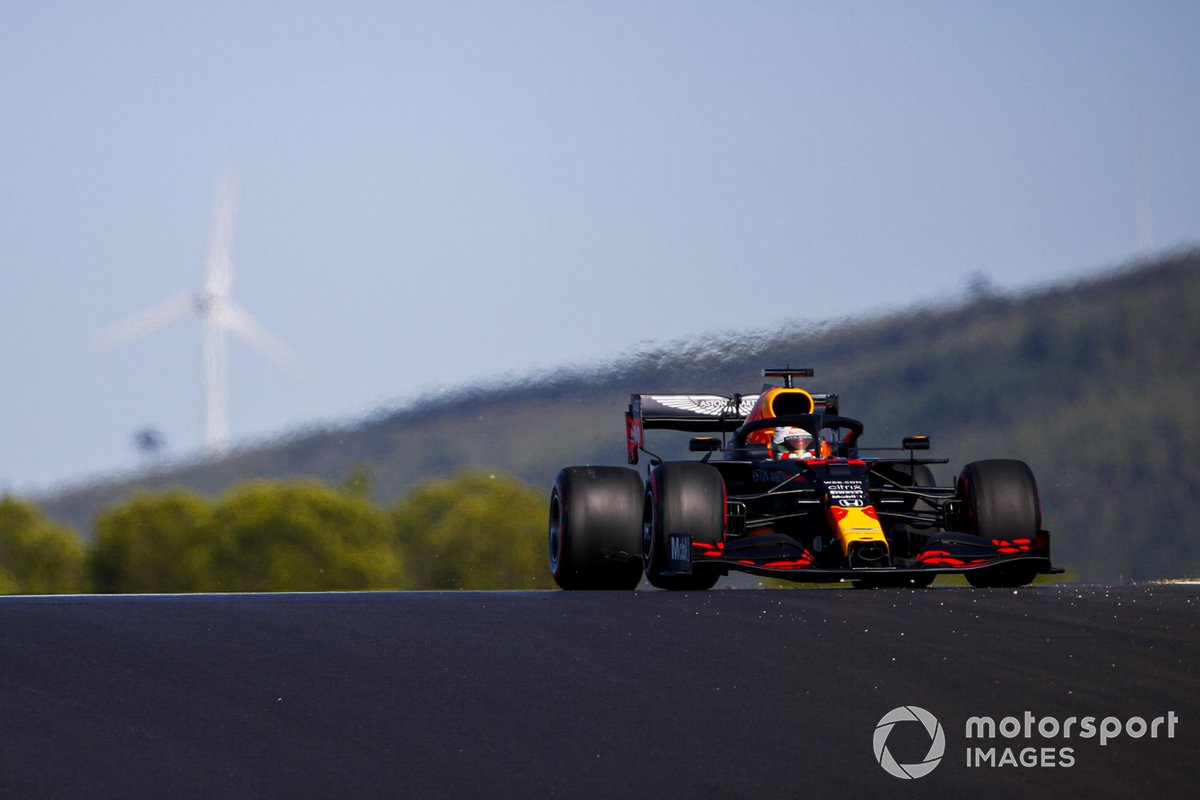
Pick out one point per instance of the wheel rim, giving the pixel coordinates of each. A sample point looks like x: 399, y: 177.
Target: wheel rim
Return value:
x: 555, y: 538
x: 647, y: 531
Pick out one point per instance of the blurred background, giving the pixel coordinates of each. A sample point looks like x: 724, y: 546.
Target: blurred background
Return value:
x: 397, y: 202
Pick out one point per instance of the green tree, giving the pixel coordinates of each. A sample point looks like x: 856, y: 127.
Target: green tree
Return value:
x: 154, y: 542
x: 473, y: 531
x: 301, y: 536
x: 36, y: 555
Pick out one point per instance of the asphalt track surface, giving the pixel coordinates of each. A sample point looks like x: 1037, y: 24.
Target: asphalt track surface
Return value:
x: 724, y: 694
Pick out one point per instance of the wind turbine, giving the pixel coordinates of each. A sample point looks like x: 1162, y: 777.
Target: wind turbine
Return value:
x: 218, y: 314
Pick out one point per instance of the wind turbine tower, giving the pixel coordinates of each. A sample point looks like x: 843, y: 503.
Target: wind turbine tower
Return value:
x: 219, y: 315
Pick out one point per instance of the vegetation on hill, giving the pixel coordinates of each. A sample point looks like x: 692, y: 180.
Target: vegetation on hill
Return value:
x: 36, y: 555
x: 476, y: 531
x: 1091, y: 383
x: 465, y: 532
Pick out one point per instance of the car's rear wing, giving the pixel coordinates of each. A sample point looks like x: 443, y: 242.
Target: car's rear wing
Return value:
x: 695, y: 413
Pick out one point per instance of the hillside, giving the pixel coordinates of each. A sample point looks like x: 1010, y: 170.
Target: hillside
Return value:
x: 1092, y: 383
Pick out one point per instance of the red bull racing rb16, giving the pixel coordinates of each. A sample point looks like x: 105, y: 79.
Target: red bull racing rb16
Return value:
x: 781, y: 490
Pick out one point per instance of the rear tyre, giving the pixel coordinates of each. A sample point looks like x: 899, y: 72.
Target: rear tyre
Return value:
x: 1000, y: 501
x: 910, y: 535
x: 595, y: 528
x: 915, y: 474
x: 684, y: 497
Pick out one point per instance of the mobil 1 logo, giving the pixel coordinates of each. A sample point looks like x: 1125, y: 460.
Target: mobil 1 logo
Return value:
x: 679, y: 553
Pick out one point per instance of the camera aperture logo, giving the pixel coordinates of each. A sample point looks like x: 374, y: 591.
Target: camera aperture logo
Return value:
x: 933, y: 728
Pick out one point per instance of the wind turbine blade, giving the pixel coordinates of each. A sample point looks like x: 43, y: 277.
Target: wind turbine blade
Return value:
x: 236, y: 319
x: 147, y: 321
x: 218, y: 271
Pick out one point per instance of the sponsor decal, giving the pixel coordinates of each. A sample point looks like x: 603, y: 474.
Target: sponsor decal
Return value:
x: 705, y: 404
x: 847, y: 494
x: 775, y: 476
x: 679, y: 553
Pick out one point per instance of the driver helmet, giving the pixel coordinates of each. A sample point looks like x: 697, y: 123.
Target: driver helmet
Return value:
x: 792, y: 442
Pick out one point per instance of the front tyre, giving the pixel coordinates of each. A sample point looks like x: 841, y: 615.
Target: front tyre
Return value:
x: 684, y: 497
x: 1000, y: 501
x: 595, y: 528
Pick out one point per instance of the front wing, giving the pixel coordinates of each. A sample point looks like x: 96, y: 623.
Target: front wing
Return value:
x: 780, y: 556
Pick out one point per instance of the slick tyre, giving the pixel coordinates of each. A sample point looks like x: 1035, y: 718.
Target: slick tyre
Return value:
x: 1000, y: 501
x: 685, y: 497
x: 911, y: 531
x: 595, y: 528
x: 919, y: 476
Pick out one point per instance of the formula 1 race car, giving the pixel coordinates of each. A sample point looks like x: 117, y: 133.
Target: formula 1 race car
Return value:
x: 782, y: 491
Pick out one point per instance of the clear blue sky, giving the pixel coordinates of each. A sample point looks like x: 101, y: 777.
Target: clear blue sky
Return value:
x: 438, y: 192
